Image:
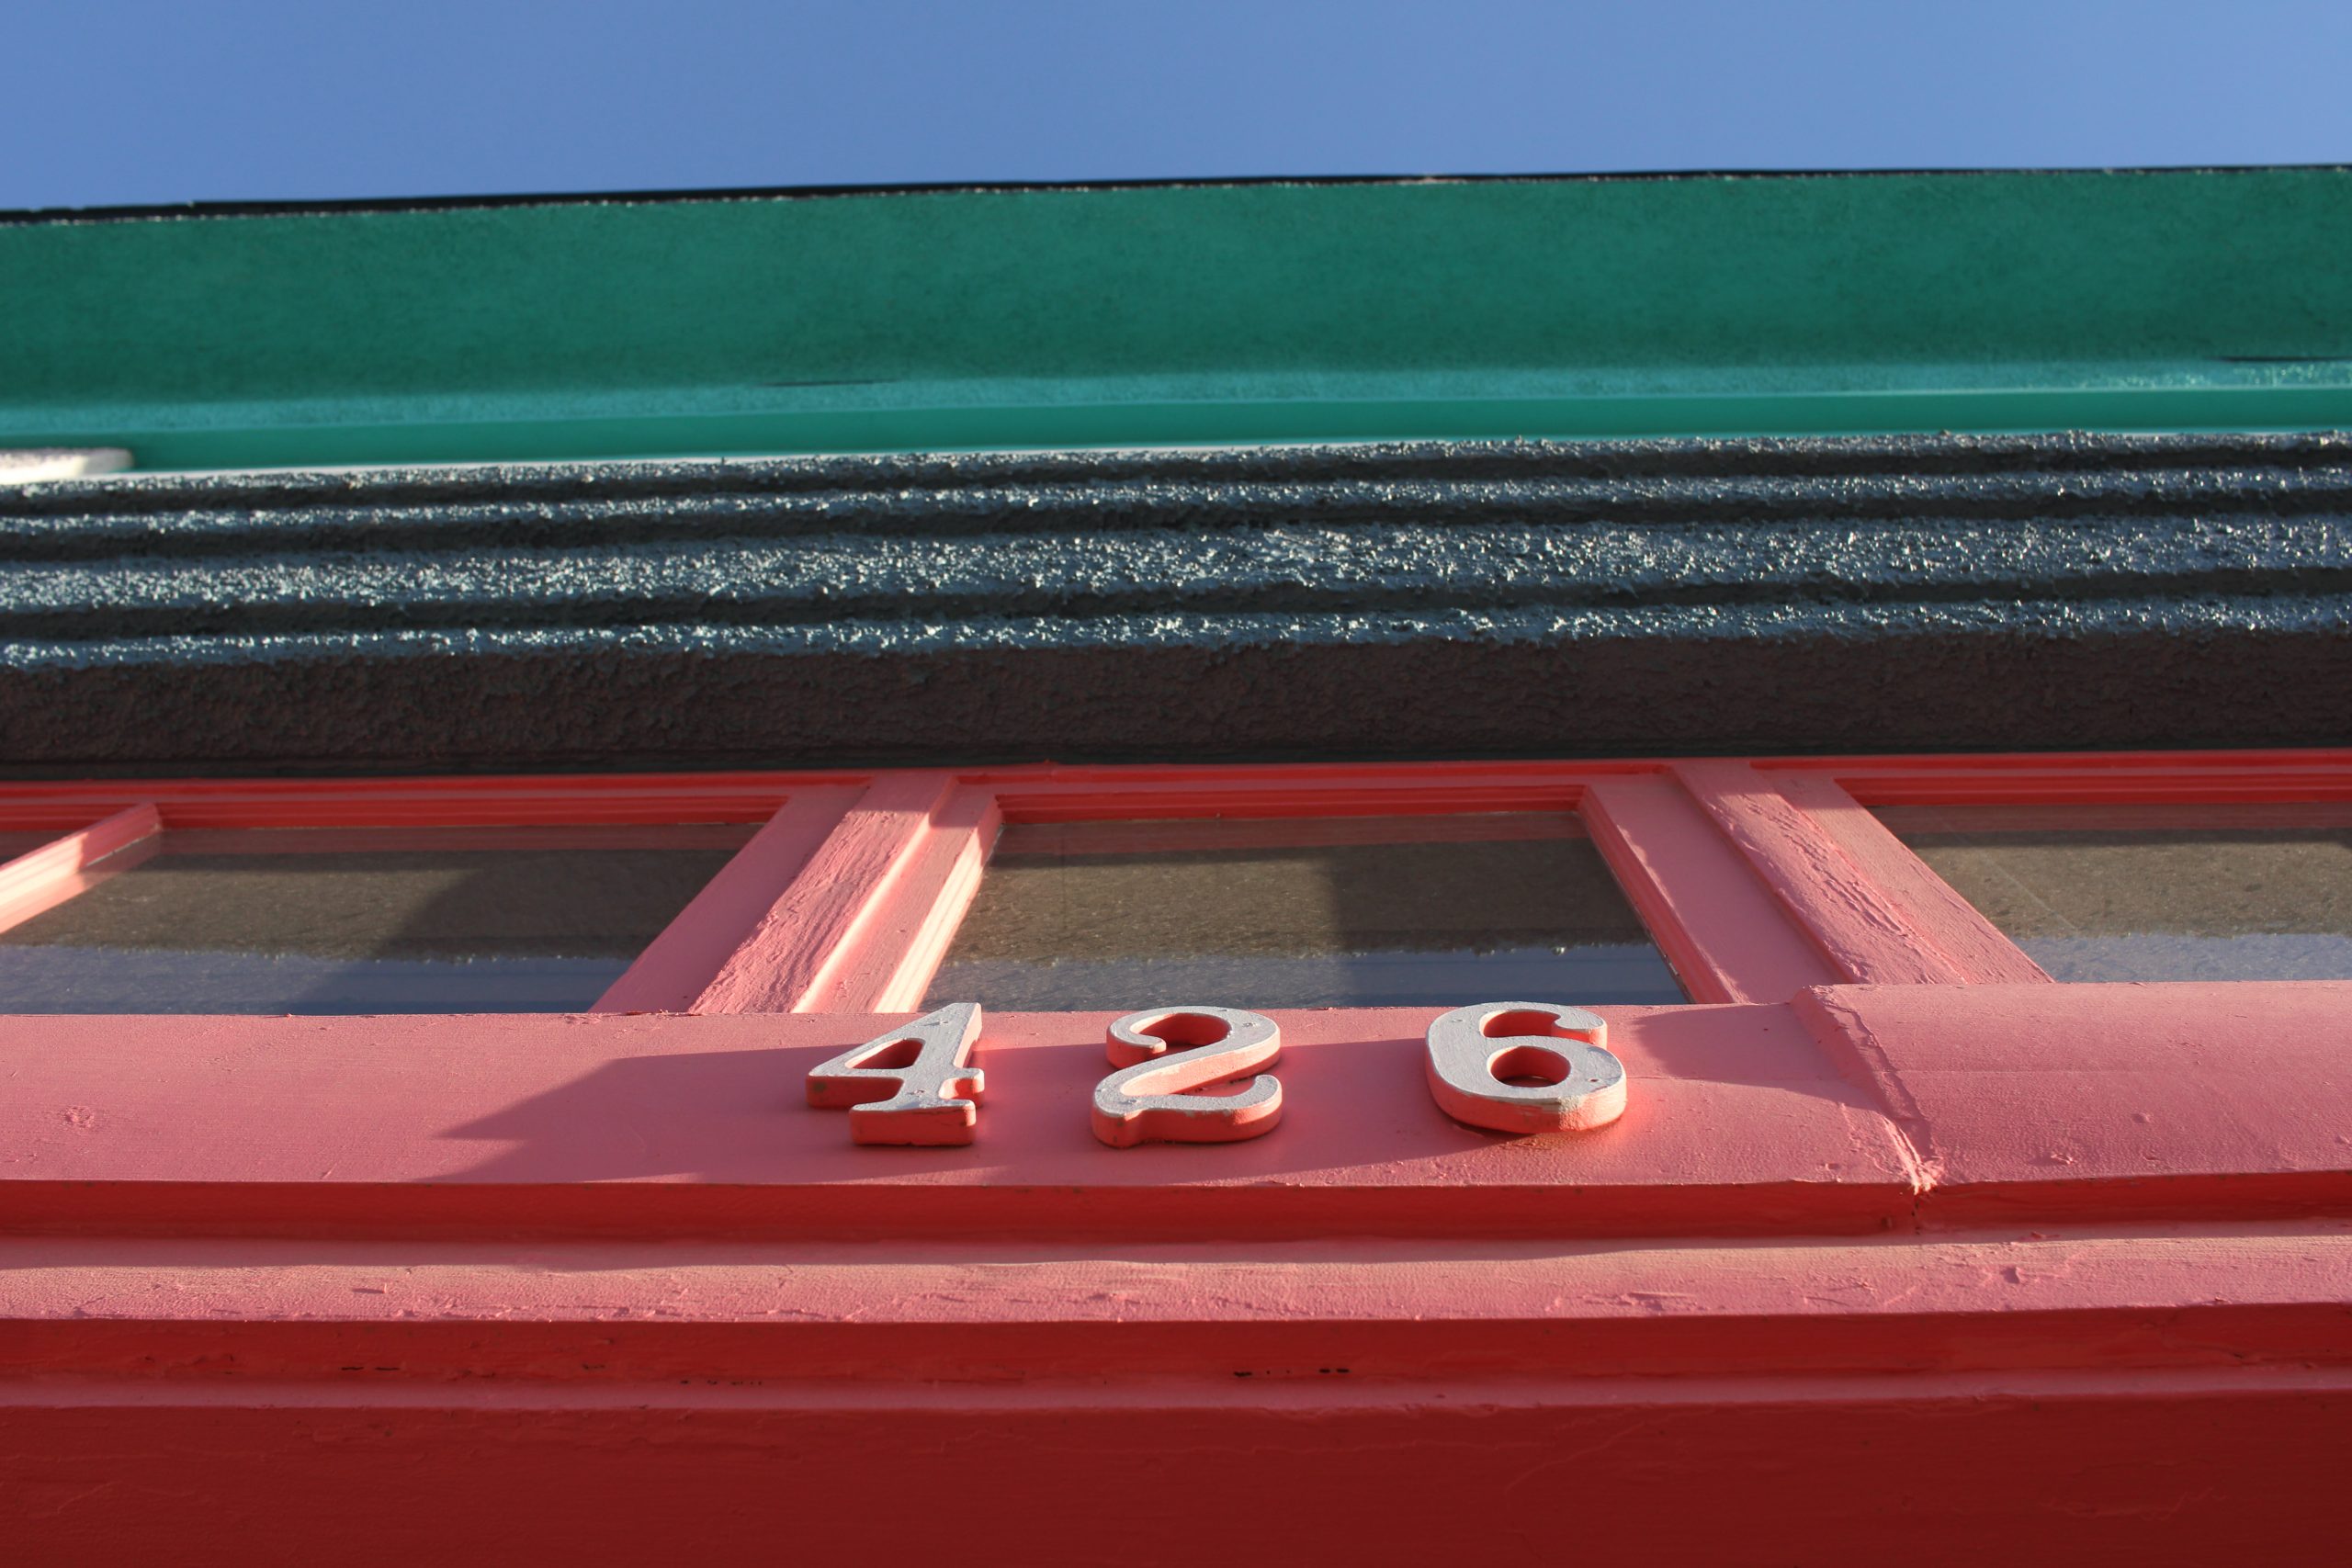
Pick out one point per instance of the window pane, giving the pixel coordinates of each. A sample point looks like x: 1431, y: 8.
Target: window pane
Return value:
x: 2249, y: 892
x: 345, y: 921
x: 1319, y: 912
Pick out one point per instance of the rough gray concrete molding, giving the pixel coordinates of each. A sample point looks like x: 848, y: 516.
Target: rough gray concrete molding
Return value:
x: 1412, y: 599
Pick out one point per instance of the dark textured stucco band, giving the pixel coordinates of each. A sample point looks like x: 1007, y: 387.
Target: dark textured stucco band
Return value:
x: 1423, y: 600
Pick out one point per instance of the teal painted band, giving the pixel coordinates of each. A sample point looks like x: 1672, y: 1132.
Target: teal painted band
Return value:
x: 1147, y: 424
x: 947, y: 319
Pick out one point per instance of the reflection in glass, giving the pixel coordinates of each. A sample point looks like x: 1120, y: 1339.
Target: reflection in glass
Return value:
x: 1294, y: 913
x: 350, y: 921
x: 2220, y: 892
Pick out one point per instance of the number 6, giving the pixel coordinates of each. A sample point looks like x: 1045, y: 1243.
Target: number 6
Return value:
x: 1474, y: 1050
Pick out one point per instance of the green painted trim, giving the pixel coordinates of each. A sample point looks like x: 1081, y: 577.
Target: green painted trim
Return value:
x: 1152, y: 424
x: 949, y: 320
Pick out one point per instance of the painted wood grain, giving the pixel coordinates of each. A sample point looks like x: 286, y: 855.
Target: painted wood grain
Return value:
x: 1865, y: 935
x: 792, y: 960
x: 680, y: 964
x: 1930, y: 905
x: 42, y: 878
x: 1717, y: 923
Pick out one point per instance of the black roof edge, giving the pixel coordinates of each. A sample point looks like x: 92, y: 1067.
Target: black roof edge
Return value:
x: 821, y: 192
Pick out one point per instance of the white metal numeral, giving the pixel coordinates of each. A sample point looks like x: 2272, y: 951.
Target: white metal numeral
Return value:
x: 913, y: 1085
x: 1164, y: 1054
x: 1475, y: 1050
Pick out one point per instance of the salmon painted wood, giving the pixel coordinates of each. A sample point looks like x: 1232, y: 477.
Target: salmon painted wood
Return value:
x: 1882, y: 1222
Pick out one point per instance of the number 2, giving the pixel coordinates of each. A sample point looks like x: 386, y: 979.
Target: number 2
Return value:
x: 1149, y: 1098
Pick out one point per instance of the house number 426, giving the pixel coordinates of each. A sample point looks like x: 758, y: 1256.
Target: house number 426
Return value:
x: 1510, y: 1067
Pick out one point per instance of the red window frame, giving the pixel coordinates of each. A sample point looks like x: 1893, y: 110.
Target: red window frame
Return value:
x: 1768, y: 884
x: 1878, y: 1144
x: 1756, y: 878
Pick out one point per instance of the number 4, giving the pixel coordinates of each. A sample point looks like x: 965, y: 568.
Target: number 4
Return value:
x: 913, y: 1085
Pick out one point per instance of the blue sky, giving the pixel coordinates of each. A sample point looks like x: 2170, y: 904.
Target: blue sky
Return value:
x: 136, y: 101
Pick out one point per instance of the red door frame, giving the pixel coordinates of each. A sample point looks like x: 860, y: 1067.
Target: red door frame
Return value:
x: 1893, y: 1225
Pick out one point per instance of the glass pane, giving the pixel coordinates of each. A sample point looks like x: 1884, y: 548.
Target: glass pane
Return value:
x: 1387, y: 911
x: 346, y: 920
x: 2250, y: 892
